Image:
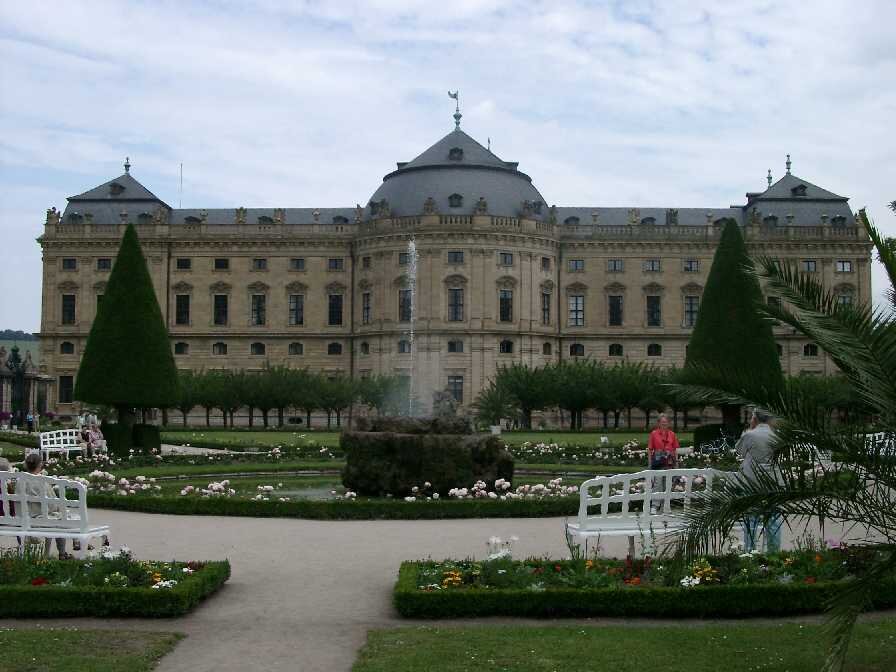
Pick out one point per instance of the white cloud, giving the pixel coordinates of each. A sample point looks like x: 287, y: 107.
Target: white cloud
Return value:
x: 308, y: 104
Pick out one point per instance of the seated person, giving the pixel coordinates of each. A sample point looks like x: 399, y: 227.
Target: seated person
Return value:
x: 95, y: 440
x: 34, y: 465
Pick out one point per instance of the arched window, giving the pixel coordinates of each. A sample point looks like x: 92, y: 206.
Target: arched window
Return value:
x: 339, y: 219
x: 546, y: 349
x: 404, y: 347
x: 615, y: 350
x: 181, y: 348
x: 810, y: 350
x: 296, y: 349
x: 654, y: 350
x: 780, y: 349
x: 334, y: 348
x: 571, y: 221
x: 365, y: 348
x: 219, y: 348
x: 455, y: 200
x: 576, y: 350
x: 256, y: 349
x: 66, y: 348
x: 455, y: 345
x: 648, y: 221
x: 506, y: 347
x: 771, y: 220
x: 839, y: 220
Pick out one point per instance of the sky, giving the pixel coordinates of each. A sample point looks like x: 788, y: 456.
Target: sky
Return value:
x: 309, y: 104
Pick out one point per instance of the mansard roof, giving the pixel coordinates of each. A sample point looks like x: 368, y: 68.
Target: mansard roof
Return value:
x: 122, y: 188
x: 784, y: 189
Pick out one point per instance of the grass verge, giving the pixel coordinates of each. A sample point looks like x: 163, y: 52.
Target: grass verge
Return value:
x: 73, y: 650
x: 706, y: 648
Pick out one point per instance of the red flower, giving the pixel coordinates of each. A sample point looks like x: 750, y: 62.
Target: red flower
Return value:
x: 558, y: 568
x: 634, y: 581
x: 810, y: 579
x: 39, y: 581
x: 538, y: 570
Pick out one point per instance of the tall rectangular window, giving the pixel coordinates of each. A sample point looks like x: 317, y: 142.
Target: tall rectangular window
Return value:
x: 66, y: 389
x: 68, y: 309
x: 259, y: 306
x: 222, y: 264
x: 260, y: 264
x: 334, y: 310
x: 691, y: 265
x: 652, y: 265
x: 365, y: 263
x: 404, y: 305
x: 505, y: 305
x: 614, y: 311
x: 455, y: 305
x: 69, y: 264
x: 545, y: 308
x: 577, y: 310
x: 615, y: 266
x: 183, y: 264
x: 220, y: 309
x: 297, y: 264
x: 575, y: 265
x: 506, y: 258
x: 404, y: 258
x: 843, y: 266
x: 104, y: 264
x: 296, y: 310
x: 456, y: 388
x: 691, y: 306
x: 182, y: 309
x: 365, y: 308
x: 654, y: 311
x: 335, y: 264
x: 809, y: 265
x: 455, y: 257
x: 546, y: 264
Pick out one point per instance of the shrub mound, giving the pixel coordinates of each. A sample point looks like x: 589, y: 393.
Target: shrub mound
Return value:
x: 399, y: 454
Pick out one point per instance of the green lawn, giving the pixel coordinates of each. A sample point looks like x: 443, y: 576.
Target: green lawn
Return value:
x: 205, y: 466
x: 632, y: 648
x: 12, y: 452
x: 586, y: 439
x: 50, y: 650
x: 294, y: 487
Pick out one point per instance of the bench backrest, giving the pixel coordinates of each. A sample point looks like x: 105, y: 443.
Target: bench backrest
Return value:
x: 34, y: 502
x: 60, y: 439
x: 630, y: 496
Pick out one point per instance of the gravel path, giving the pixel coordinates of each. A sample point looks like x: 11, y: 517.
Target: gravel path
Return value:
x: 303, y: 593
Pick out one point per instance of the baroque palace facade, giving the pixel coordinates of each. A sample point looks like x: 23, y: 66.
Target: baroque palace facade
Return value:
x: 501, y: 276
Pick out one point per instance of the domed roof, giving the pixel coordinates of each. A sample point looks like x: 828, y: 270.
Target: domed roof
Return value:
x: 455, y: 173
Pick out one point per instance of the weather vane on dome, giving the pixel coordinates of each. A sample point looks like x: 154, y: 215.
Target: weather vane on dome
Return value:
x: 127, y: 164
x: 457, y: 114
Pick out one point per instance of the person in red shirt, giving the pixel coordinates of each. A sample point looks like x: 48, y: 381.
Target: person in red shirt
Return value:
x: 662, y: 453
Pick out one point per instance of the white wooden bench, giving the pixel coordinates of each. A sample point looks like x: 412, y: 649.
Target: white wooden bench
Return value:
x: 59, y: 441
x: 40, y: 506
x: 626, y: 504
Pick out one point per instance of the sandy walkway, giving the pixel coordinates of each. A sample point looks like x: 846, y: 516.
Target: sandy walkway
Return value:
x: 303, y: 593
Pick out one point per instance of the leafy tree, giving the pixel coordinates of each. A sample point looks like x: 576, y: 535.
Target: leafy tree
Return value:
x: 335, y: 395
x: 493, y: 404
x: 651, y: 398
x: 127, y: 360
x: 574, y: 386
x: 854, y: 489
x: 528, y: 387
x: 188, y: 392
x: 383, y: 393
x: 731, y: 337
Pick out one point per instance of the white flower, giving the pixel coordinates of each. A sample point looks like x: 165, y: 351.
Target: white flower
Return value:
x: 410, y: 499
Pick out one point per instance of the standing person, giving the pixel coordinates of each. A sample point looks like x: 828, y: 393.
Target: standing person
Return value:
x: 34, y: 465
x: 29, y: 420
x: 662, y: 453
x: 755, y: 448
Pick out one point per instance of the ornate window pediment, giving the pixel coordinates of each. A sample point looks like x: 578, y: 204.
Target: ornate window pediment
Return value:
x: 614, y: 288
x: 258, y: 286
x: 335, y: 288
x: 365, y: 284
x: 845, y: 288
x: 68, y: 286
x: 455, y: 280
x: 219, y: 287
x: 182, y: 287
x: 691, y: 288
x: 400, y: 281
x: 506, y: 282
x: 100, y: 287
x: 653, y: 288
x: 296, y: 287
x: 547, y: 286
x: 576, y: 288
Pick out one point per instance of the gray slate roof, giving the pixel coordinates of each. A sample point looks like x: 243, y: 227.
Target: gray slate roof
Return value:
x: 123, y: 188
x: 474, y: 154
x: 782, y: 189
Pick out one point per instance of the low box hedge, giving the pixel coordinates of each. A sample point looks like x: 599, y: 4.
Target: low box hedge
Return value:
x: 26, y: 440
x: 725, y: 601
x: 52, y: 601
x: 340, y: 509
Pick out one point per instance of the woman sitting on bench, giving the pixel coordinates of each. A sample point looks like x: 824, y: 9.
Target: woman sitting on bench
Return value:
x: 34, y: 465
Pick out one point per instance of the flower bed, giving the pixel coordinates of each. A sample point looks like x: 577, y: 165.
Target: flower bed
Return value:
x: 630, y: 454
x: 733, y: 585
x: 106, y: 584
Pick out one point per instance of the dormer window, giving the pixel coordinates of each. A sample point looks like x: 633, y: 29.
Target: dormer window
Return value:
x: 374, y: 207
x: 77, y: 218
x: 455, y: 154
x: 339, y: 219
x: 455, y: 200
x: 799, y: 191
x: 115, y: 188
x: 648, y: 221
x: 144, y: 218
x: 571, y: 221
x: 537, y: 207
x: 839, y: 220
x: 770, y: 220
x: 265, y: 220
x: 191, y: 220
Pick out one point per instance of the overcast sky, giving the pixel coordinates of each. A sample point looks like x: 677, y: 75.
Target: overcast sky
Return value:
x: 306, y: 104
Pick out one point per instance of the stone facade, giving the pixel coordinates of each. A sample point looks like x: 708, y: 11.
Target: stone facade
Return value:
x: 482, y: 233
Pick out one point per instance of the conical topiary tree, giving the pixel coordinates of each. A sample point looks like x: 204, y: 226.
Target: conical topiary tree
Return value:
x: 127, y: 361
x: 731, y: 337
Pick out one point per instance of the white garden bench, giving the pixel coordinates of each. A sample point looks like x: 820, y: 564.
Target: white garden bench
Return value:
x: 50, y: 513
x: 626, y: 505
x: 59, y: 441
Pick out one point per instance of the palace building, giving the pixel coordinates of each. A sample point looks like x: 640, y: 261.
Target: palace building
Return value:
x: 501, y: 275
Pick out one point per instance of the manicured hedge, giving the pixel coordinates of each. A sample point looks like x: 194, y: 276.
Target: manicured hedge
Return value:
x: 727, y: 601
x: 340, y: 509
x: 62, y: 601
x: 27, y: 440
